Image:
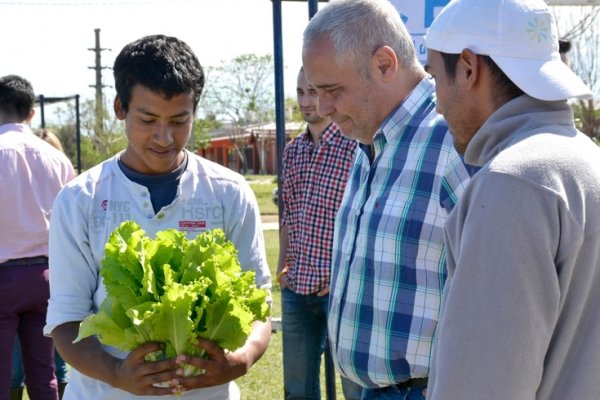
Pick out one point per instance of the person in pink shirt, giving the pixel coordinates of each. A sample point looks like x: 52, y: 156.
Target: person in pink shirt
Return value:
x: 33, y: 172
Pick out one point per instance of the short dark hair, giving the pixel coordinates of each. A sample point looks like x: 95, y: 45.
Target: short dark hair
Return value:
x: 564, y: 45
x: 506, y: 89
x: 163, y: 64
x: 16, y: 98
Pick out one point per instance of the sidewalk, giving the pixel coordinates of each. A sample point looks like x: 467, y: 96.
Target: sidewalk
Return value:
x: 270, y: 222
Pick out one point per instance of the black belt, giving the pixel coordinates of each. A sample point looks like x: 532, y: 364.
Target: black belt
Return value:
x: 412, y: 383
x: 25, y: 261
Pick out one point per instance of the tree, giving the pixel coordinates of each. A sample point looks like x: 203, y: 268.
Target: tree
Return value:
x: 95, y: 148
x: 292, y: 110
x: 581, y: 27
x: 200, y: 137
x: 241, y: 92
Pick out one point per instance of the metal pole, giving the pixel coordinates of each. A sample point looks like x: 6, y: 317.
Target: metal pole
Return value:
x: 42, y: 116
x: 78, y: 133
x: 279, y: 96
x: 313, y: 6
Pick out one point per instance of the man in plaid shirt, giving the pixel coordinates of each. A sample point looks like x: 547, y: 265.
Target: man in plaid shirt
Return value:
x: 316, y: 166
x: 388, y: 255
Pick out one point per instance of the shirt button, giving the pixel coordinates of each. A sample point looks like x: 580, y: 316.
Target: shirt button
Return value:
x: 143, y: 194
x: 145, y: 204
x: 161, y: 216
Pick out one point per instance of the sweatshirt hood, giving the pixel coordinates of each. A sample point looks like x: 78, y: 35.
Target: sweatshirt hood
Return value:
x: 508, y: 124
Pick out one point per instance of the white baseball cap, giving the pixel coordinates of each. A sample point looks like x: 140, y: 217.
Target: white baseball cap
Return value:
x: 519, y: 35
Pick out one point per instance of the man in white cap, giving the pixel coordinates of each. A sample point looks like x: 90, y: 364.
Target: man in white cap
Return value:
x: 521, y: 303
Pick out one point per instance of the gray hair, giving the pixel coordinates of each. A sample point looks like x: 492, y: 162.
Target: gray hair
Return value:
x: 359, y: 27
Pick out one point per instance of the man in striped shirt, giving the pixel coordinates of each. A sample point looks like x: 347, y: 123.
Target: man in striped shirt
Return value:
x: 388, y: 257
x: 316, y: 167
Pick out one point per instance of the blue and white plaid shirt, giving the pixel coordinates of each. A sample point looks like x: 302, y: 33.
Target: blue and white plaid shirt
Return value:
x: 388, y: 256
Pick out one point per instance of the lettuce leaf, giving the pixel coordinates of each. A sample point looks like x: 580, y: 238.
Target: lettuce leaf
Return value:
x: 174, y: 290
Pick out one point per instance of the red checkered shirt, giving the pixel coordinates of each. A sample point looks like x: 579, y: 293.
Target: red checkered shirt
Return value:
x: 314, y: 179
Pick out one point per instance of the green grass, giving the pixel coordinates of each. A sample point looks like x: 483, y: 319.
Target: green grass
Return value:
x: 265, y: 378
x: 263, y: 188
x: 272, y: 250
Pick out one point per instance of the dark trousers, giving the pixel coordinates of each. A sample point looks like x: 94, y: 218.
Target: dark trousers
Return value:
x: 24, y: 293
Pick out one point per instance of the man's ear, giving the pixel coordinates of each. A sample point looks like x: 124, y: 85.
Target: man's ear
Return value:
x: 385, y: 63
x: 119, y: 110
x: 30, y: 117
x: 468, y: 68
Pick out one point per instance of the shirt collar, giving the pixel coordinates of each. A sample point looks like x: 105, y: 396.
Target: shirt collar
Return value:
x: 393, y: 126
x: 14, y: 128
x: 324, y: 136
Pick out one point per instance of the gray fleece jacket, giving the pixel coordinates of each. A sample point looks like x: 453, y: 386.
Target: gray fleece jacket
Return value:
x: 521, y: 308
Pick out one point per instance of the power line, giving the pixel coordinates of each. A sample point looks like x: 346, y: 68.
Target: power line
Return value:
x: 84, y: 3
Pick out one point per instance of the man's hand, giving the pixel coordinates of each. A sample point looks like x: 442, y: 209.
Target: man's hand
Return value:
x: 132, y: 374
x: 282, y: 277
x: 221, y: 366
x: 323, y: 292
x: 137, y: 376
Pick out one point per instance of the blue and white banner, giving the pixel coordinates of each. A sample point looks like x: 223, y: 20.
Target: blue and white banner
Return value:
x: 418, y: 16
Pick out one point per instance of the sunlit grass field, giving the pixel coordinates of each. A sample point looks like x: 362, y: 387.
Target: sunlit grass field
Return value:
x: 263, y: 186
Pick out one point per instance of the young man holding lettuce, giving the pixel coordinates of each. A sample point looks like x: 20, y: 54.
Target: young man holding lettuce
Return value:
x: 159, y: 185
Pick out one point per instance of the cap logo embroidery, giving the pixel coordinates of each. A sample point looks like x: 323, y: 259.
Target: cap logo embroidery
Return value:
x: 538, y: 30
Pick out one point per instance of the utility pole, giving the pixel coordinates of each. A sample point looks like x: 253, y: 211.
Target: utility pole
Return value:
x: 99, y: 127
